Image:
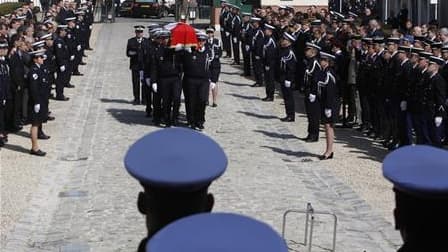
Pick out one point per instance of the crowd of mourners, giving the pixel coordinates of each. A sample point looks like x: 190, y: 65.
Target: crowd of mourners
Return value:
x: 387, y: 81
x: 39, y: 53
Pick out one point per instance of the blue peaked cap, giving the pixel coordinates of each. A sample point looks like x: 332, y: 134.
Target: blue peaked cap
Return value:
x: 176, y: 158
x: 418, y: 170
x: 211, y: 232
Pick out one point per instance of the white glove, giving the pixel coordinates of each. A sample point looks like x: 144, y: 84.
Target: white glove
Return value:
x: 235, y: 40
x: 247, y: 47
x: 78, y: 47
x: 257, y: 57
x: 403, y: 105
x: 62, y: 68
x: 328, y: 113
x: 72, y: 57
x: 148, y: 82
x: 154, y: 87
x: 142, y: 75
x: 132, y: 53
x: 222, y: 29
x: 267, y: 68
x: 188, y: 49
x: 90, y: 27
x: 178, y: 47
x: 287, y: 83
x: 36, y: 108
x: 312, y: 97
x: 4, y: 102
x: 212, y: 85
x: 227, y: 34
x: 438, y: 121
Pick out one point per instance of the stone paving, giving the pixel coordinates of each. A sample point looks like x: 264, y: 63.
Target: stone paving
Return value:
x: 82, y: 199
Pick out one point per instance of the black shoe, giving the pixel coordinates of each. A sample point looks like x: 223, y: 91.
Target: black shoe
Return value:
x: 85, y: 56
x: 2, y: 141
x: 38, y: 153
x: 193, y: 127
x: 63, y: 98
x: 214, y: 105
x: 200, y: 126
x: 136, y: 102
x: 50, y: 118
x: 323, y: 157
x: 175, y: 123
x: 69, y: 86
x: 16, y: 128
x: 43, y: 137
x: 156, y: 123
x: 311, y: 139
x: 83, y: 63
x: 287, y: 119
x: 77, y: 74
x: 89, y: 49
x: 268, y: 99
x: 256, y: 85
x: 148, y: 114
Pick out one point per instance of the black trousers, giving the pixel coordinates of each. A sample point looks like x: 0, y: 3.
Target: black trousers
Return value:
x: 137, y: 85
x: 198, y: 90
x: 226, y: 43
x: 147, y: 98
x: 258, y: 69
x: 313, y: 112
x: 288, y: 99
x: 17, y: 108
x: 236, y: 49
x: 2, y: 118
x: 300, y: 75
x: 348, y: 102
x: 170, y: 90
x: 246, y: 59
x: 269, y: 79
x: 62, y: 79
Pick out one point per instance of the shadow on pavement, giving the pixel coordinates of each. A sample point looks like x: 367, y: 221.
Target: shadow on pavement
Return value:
x: 299, y: 154
x: 246, y: 97
x: 107, y: 100
x: 129, y: 116
x: 276, y: 135
x: 236, y: 84
x: 23, y: 134
x: 16, y: 148
x: 258, y: 115
x: 365, y: 147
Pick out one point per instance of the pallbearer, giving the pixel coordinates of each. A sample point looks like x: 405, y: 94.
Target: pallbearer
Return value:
x: 420, y: 178
x: 175, y: 166
x: 288, y: 65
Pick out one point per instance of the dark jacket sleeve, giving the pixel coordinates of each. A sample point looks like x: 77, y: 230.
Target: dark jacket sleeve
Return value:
x: 34, y: 88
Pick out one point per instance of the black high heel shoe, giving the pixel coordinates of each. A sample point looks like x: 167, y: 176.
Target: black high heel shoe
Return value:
x: 323, y: 157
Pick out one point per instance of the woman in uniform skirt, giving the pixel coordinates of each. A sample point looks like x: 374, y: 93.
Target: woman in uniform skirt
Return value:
x: 38, y: 89
x: 328, y: 98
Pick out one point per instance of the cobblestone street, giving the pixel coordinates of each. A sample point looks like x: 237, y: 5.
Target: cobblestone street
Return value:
x: 80, y: 197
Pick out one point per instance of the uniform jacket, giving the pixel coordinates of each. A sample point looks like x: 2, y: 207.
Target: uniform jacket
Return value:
x: 137, y: 50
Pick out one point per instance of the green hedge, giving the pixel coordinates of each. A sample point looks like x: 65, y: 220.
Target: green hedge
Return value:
x: 7, y: 8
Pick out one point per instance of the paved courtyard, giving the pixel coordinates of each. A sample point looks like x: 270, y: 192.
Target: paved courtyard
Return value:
x: 80, y: 197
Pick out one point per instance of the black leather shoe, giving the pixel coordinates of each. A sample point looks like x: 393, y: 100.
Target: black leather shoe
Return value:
x: 323, y: 157
x: 89, y: 49
x: 148, y: 114
x: 51, y: 118
x: 2, y: 142
x: 69, y: 86
x: 43, y: 137
x: 136, y: 102
x: 63, y: 98
x: 156, y: 123
x: 82, y: 63
x: 311, y: 140
x: 256, y: 85
x: 214, y: 105
x: 200, y: 126
x: 16, y: 129
x: 268, y: 99
x: 38, y: 153
x: 287, y: 119
x: 77, y: 74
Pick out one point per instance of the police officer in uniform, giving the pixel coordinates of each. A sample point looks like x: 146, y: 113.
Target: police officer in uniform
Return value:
x: 223, y: 18
x: 227, y: 39
x: 236, y: 233
x: 136, y: 50
x: 421, y: 202
x: 38, y: 89
x: 165, y: 78
x: 403, y: 86
x: 288, y: 65
x: 62, y: 59
x: 312, y: 105
x: 215, y: 47
x: 172, y: 189
x: 236, y: 34
x: 270, y: 60
x: 74, y: 48
x: 257, y: 51
x: 246, y: 43
x: 5, y: 83
x: 196, y: 65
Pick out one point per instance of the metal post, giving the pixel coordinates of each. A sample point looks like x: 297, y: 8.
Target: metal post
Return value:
x: 340, y: 6
x: 309, y: 209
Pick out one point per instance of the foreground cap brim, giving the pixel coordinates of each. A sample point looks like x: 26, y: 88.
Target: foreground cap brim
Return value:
x: 419, y: 170
x: 176, y: 158
x: 217, y: 232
